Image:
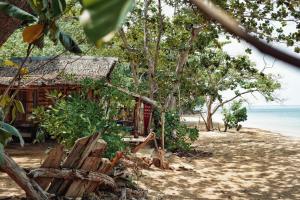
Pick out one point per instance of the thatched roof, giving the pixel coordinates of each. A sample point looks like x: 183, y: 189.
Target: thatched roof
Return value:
x: 61, y: 70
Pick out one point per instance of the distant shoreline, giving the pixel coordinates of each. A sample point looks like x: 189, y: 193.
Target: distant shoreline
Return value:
x: 193, y: 120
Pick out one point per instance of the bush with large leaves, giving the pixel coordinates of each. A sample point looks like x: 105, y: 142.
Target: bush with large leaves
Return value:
x: 6, y: 132
x: 178, y: 136
x: 77, y: 116
x: 235, y: 114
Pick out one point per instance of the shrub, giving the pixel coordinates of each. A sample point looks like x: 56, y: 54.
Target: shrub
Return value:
x: 235, y: 114
x: 178, y: 136
x: 75, y: 117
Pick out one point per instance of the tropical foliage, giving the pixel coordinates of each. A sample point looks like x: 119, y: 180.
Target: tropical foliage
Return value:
x: 179, y: 137
x: 175, y: 59
x: 6, y: 133
x: 234, y: 115
x: 220, y: 79
x: 75, y: 117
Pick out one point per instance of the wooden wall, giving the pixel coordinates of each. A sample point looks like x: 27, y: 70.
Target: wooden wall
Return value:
x: 34, y: 96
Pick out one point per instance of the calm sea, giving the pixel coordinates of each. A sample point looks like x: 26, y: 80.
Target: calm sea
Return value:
x: 280, y: 119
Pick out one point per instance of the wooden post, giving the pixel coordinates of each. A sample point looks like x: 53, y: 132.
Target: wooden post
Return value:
x: 163, y: 116
x: 138, y: 118
x: 29, y: 103
x: 141, y: 119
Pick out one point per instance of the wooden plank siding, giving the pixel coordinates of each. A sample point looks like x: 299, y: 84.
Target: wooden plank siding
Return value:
x: 34, y: 96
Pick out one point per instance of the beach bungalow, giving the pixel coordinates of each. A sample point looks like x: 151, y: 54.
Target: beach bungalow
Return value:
x: 46, y: 74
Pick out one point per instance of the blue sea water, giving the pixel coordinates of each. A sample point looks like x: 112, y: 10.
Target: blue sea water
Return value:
x: 281, y: 119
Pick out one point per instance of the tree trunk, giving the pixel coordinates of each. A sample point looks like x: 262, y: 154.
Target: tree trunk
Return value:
x: 31, y: 188
x: 226, y: 127
x: 209, y: 123
x: 181, y: 61
x: 9, y: 24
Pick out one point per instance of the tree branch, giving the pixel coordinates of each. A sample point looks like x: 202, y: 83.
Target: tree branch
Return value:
x: 160, y: 31
x: 232, y: 26
x: 181, y: 61
x: 73, y: 174
x: 133, y: 64
x: 146, y: 99
x: 17, y: 75
x: 231, y: 99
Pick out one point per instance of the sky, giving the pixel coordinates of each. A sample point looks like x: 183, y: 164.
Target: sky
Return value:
x: 289, y: 76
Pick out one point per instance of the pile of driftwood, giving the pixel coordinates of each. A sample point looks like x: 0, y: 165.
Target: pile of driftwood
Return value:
x: 82, y: 173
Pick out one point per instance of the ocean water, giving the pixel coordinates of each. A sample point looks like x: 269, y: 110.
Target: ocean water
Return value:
x: 281, y: 119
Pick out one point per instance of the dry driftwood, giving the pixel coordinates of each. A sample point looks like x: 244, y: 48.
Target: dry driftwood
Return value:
x: 158, y: 159
x: 78, y: 187
x: 31, y: 188
x: 92, y: 163
x: 71, y: 174
x: 150, y: 137
x: 99, y: 148
x: 101, y: 168
x: 113, y: 162
x: 75, y: 159
x: 136, y: 162
x: 53, y: 160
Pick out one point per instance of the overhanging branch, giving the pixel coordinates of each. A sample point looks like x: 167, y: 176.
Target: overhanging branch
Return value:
x: 232, y: 26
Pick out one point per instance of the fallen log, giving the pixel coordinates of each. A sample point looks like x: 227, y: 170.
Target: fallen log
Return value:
x: 92, y: 186
x: 70, y: 174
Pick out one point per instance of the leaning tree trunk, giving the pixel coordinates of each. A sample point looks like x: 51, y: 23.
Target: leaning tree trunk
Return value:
x: 9, y: 24
x: 31, y: 188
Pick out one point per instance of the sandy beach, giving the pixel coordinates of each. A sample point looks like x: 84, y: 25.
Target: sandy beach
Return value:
x: 251, y: 164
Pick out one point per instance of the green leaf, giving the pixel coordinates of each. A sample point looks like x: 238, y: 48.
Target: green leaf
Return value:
x: 4, y: 136
x: 57, y: 7
x: 13, y: 131
x: 1, y: 154
x: 13, y: 114
x: 1, y: 114
x: 19, y: 106
x: 69, y: 43
x: 101, y: 17
x: 16, y: 12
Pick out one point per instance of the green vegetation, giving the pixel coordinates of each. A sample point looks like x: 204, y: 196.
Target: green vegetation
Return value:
x: 175, y: 60
x: 6, y: 133
x: 179, y: 137
x: 234, y: 115
x: 75, y: 117
x: 219, y: 79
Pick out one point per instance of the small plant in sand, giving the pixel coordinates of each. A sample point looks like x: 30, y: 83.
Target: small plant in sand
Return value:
x: 234, y: 115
